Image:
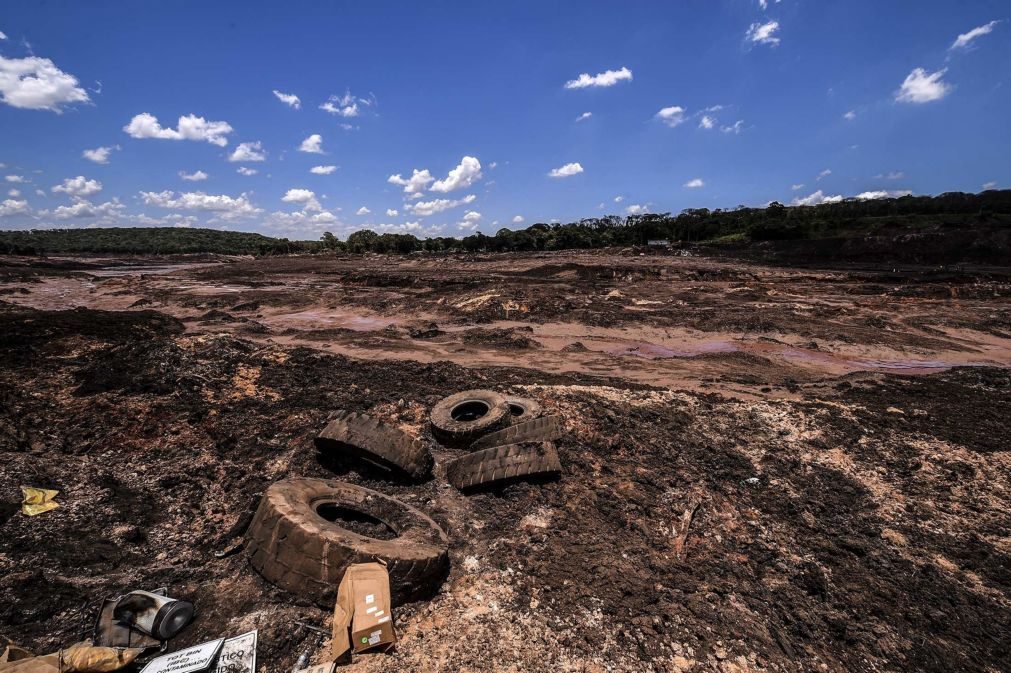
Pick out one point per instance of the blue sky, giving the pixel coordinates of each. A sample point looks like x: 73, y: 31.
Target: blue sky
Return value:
x: 697, y: 103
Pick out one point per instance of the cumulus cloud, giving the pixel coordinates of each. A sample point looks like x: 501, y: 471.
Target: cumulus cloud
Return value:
x: 3, y: 36
x: 189, y: 127
x: 248, y: 152
x: 196, y: 176
x: 363, y: 211
x: 461, y: 177
x: 606, y: 78
x: 11, y: 207
x: 566, y: 171
x: 79, y: 187
x: 14, y: 193
x: 585, y: 115
x: 694, y: 183
x: 392, y: 212
x: 636, y: 209
x: 37, y: 84
x: 518, y: 219
x: 426, y: 208
x: 469, y: 221
x: 817, y: 198
x: 289, y: 99
x: 965, y: 39
x: 225, y: 207
x: 619, y: 198
x: 306, y: 197
x: 243, y: 170
x: 313, y: 144
x: 414, y: 185
x: 100, y: 155
x: 850, y: 116
x: 707, y: 122
x: 882, y: 194
x: 14, y: 178
x: 322, y: 170
x: 83, y: 208
x: 923, y: 87
x: 763, y: 33
x: 671, y: 116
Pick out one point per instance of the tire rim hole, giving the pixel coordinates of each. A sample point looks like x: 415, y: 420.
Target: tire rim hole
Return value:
x: 516, y: 410
x: 469, y: 411
x: 355, y: 521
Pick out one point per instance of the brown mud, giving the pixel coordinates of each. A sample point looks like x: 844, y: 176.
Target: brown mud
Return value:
x: 766, y: 469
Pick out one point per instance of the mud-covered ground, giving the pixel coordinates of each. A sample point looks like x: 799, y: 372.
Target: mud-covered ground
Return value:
x: 766, y: 469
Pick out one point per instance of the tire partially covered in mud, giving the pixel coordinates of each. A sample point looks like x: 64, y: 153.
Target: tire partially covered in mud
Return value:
x: 306, y: 533
x: 500, y: 465
x: 523, y: 408
x: 461, y: 418
x: 543, y: 429
x: 372, y: 440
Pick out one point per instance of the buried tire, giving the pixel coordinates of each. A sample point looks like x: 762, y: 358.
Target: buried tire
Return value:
x: 523, y: 409
x: 543, y: 429
x: 306, y: 533
x: 371, y: 440
x: 461, y: 418
x: 503, y: 464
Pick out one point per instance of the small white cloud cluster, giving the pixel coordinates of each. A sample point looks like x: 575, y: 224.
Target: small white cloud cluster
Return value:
x: 965, y: 39
x: 322, y: 170
x: 78, y: 187
x: 603, y: 79
x: 195, y: 176
x: 923, y: 87
x: 427, y: 208
x: 190, y: 127
x: 566, y: 171
x: 223, y: 206
x: 289, y: 99
x: 346, y: 105
x: 464, y: 175
x: 35, y: 83
x: 100, y: 155
x: 313, y: 144
x: 815, y: 199
x: 252, y: 151
x: 763, y: 33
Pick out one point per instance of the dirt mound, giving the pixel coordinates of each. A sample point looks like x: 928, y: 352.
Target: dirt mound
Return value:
x: 23, y: 328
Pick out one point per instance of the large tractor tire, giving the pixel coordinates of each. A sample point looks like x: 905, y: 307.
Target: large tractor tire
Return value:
x: 461, y: 418
x: 306, y: 533
x: 503, y: 464
x: 543, y: 429
x: 372, y: 440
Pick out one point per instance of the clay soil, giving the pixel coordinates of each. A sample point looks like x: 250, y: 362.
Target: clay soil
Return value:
x: 766, y: 469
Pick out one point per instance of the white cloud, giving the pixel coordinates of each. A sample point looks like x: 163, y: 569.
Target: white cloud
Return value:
x: 14, y: 193
x: 518, y: 219
x: 304, y: 196
x: 190, y: 127
x: 707, y: 122
x: 40, y: 192
x: 10, y: 207
x: 606, y: 78
x: 824, y: 174
x: 694, y: 183
x: 413, y: 185
x: 248, y: 152
x: 469, y: 222
x: 619, y: 198
x: 346, y: 105
x: 763, y: 33
x: 566, y: 171
x: 461, y: 177
x: 815, y: 199
x: 471, y: 216
x: 37, y: 84
x: 735, y: 128
x: 882, y: 194
x: 636, y: 209
x: 392, y: 212
x: 243, y: 170
x: 322, y: 170
x: 313, y: 144
x: 79, y: 187
x: 891, y: 175
x: 990, y: 185
x: 671, y: 116
x: 100, y: 155
x: 226, y: 207
x: 86, y: 209
x: 426, y: 208
x: 965, y: 39
x: 585, y: 115
x: 289, y: 99
x: 3, y: 36
x: 851, y: 115
x: 920, y: 87
x: 196, y: 176
x: 363, y: 211
x: 798, y: 186
x: 14, y: 178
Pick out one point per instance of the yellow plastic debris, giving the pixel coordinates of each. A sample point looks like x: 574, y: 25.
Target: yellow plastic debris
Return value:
x: 38, y: 500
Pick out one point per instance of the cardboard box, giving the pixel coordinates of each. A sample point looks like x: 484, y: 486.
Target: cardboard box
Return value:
x: 362, y: 618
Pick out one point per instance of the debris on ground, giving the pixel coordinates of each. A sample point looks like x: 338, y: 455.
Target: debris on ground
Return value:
x: 363, y: 613
x: 81, y: 657
x: 38, y: 500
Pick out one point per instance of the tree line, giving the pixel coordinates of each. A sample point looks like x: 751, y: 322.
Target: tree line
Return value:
x: 741, y: 225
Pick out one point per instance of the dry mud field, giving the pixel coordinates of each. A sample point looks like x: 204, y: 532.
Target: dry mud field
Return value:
x: 766, y: 469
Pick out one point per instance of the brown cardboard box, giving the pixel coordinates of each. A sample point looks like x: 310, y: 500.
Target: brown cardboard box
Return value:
x: 362, y: 618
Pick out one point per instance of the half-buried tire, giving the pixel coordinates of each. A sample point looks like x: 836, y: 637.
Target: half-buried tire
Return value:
x: 543, y: 429
x: 500, y: 465
x: 306, y: 533
x: 372, y: 440
x: 461, y: 418
x: 523, y: 408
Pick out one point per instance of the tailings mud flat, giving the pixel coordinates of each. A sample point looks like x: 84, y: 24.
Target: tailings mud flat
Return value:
x: 851, y: 520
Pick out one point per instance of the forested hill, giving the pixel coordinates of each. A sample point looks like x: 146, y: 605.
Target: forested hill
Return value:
x: 945, y: 228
